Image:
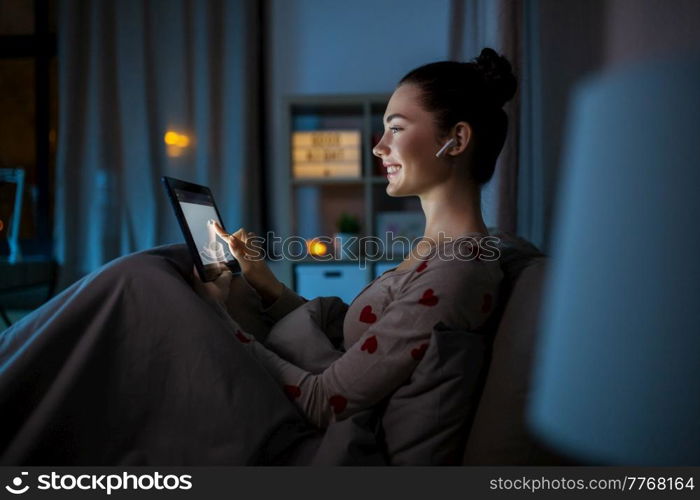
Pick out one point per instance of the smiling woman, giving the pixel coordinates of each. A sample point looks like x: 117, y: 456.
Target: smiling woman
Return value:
x: 444, y: 129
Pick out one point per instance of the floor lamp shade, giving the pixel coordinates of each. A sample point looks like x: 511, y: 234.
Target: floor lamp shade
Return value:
x: 617, y: 378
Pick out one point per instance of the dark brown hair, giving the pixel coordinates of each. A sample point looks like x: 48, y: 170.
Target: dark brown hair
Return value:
x: 474, y: 92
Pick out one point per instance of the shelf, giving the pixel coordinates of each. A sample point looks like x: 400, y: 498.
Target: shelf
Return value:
x: 340, y: 180
x: 325, y: 101
x: 328, y: 180
x: 367, y: 263
x: 315, y: 204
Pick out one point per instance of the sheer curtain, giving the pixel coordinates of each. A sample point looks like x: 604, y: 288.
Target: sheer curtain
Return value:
x: 498, y: 24
x: 130, y: 71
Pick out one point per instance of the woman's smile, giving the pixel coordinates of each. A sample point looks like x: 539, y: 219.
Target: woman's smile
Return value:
x: 392, y: 170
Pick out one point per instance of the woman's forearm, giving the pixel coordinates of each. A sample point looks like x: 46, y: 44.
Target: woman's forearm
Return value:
x: 269, y: 294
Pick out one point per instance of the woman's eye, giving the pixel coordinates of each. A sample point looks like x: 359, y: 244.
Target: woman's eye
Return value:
x: 394, y: 129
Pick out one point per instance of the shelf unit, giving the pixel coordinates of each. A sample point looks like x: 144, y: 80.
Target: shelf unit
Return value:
x: 314, y: 204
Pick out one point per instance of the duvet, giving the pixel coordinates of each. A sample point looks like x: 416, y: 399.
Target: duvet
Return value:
x: 131, y: 366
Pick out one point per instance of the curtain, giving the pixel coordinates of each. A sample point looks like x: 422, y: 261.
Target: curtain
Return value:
x: 497, y: 24
x: 130, y: 72
x: 533, y: 187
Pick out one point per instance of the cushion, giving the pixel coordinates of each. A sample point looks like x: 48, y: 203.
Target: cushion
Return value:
x: 425, y: 421
x: 307, y: 336
x: 310, y: 337
x: 351, y: 441
x: 498, y: 435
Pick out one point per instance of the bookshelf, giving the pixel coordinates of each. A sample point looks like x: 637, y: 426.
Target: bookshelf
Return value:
x: 314, y: 204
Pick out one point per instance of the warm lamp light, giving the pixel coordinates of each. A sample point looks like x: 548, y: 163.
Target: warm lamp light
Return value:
x: 316, y: 247
x: 617, y: 377
x: 171, y: 137
x: 176, y: 143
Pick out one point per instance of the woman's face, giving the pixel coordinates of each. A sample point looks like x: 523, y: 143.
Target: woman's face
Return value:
x: 409, y: 144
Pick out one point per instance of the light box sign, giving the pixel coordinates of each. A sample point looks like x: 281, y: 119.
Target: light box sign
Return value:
x: 327, y: 153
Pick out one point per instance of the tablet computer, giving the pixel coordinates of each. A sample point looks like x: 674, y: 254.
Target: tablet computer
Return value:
x: 196, y: 212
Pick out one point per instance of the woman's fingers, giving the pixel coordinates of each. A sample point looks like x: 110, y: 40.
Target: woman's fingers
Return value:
x: 241, y: 235
x: 237, y: 241
x: 220, y: 230
x: 240, y: 247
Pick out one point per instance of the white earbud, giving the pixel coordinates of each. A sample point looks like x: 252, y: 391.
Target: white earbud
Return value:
x: 444, y: 148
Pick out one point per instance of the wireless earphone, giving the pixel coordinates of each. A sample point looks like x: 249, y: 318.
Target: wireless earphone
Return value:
x: 441, y: 153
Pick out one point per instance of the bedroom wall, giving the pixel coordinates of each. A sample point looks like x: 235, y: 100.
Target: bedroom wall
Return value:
x: 637, y: 30
x: 578, y: 40
x: 571, y: 37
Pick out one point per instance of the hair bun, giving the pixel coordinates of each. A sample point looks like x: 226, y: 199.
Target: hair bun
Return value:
x: 497, y: 75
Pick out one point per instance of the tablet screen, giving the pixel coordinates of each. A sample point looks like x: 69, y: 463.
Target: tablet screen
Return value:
x: 200, y: 214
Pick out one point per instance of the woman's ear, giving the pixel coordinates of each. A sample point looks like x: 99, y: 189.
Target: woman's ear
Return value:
x: 462, y: 132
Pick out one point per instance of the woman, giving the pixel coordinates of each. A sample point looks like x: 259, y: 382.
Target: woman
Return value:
x: 433, y: 105
x: 444, y: 128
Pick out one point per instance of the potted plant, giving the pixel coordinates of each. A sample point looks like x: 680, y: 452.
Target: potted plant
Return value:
x: 347, y: 237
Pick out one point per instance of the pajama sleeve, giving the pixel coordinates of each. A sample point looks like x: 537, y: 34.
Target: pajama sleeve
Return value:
x: 285, y: 303
x: 389, y: 350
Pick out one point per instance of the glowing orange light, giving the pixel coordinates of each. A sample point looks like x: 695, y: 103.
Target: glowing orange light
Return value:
x: 176, y: 142
x: 317, y: 247
x: 171, y: 137
x: 2, y: 225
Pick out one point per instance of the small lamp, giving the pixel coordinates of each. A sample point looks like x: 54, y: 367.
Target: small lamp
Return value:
x: 617, y: 378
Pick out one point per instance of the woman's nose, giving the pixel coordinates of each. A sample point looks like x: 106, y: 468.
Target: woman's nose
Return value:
x: 380, y: 149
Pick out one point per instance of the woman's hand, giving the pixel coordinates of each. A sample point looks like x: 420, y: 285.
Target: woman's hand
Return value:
x: 253, y: 265
x: 216, y: 291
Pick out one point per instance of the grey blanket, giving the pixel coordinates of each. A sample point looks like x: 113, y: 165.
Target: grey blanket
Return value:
x: 130, y: 366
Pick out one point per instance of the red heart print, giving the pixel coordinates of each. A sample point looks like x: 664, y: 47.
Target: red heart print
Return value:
x: 241, y: 337
x: 419, y: 352
x: 487, y: 303
x: 366, y: 316
x: 422, y: 266
x: 428, y: 299
x: 370, y: 345
x: 338, y: 403
x: 292, y: 391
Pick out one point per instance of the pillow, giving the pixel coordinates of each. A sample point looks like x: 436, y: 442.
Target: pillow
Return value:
x: 351, y: 441
x: 310, y: 336
x: 499, y: 435
x: 426, y: 420
x: 307, y: 335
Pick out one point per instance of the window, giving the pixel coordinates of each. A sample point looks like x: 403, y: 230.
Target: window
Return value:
x: 28, y: 121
